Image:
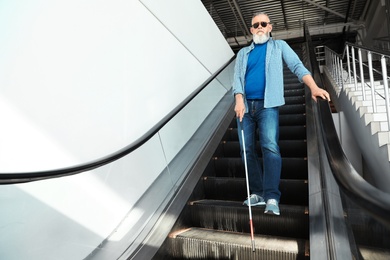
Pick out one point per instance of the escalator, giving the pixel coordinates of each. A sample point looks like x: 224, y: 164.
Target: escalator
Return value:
x: 215, y: 225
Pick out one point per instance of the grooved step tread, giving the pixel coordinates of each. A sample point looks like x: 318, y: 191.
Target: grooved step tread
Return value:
x: 285, y: 133
x: 294, y: 192
x: 287, y: 209
x: 292, y: 168
x: 288, y: 148
x: 293, y: 221
x: 213, y: 243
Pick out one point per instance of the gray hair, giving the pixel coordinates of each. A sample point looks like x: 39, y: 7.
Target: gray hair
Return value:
x: 259, y: 13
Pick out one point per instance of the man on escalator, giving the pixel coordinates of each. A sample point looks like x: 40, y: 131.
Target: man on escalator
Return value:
x: 258, y: 90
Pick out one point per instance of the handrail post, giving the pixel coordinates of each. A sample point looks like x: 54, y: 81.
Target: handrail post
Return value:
x: 336, y: 68
x: 348, y: 64
x: 386, y: 88
x: 361, y: 72
x: 332, y: 70
x: 354, y: 67
x: 327, y: 54
x: 369, y: 56
x: 341, y: 69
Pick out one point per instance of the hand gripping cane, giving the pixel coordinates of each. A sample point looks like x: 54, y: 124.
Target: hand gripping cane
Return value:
x: 247, y: 188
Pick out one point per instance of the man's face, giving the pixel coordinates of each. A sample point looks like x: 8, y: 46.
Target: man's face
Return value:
x: 262, y: 23
x: 259, y: 21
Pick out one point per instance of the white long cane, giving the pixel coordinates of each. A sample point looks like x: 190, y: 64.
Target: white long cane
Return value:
x: 247, y: 188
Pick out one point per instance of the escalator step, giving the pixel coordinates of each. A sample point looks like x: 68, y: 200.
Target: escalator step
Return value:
x: 292, y: 132
x: 284, y: 120
x: 294, y: 99
x: 233, y: 216
x: 292, y: 168
x: 292, y: 83
x: 198, y: 243
x: 294, y: 92
x: 294, y: 192
x: 288, y: 120
x: 298, y: 119
x: 288, y: 148
x: 285, y: 133
x: 292, y: 109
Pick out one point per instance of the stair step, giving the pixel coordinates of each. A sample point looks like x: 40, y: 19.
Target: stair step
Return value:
x: 368, y: 103
x: 294, y: 119
x: 378, y: 117
x: 198, y: 243
x: 369, y: 109
x: 292, y: 84
x: 294, y: 92
x: 377, y: 127
x: 284, y: 120
x: 358, y: 94
x: 294, y: 192
x: 383, y: 139
x: 233, y: 216
x: 292, y: 168
x: 285, y: 133
x: 288, y: 148
x: 296, y: 99
x: 292, y: 109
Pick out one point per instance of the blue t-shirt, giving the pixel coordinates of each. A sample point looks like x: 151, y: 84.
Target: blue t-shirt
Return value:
x: 255, y: 72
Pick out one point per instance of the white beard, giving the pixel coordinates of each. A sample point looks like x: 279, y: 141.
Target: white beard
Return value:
x: 259, y: 39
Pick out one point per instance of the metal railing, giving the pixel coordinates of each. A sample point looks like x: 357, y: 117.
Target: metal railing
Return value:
x: 372, y: 200
x: 364, y: 69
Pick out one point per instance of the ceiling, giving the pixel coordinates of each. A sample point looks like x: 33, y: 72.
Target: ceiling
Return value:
x: 233, y: 17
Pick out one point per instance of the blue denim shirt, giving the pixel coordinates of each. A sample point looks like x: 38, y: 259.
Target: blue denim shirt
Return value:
x: 277, y: 52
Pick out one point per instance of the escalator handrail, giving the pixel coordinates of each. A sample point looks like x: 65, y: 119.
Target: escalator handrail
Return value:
x: 373, y: 200
x: 23, y: 177
x: 370, y: 198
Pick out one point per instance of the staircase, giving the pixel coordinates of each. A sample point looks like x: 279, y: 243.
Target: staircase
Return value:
x: 370, y: 128
x: 377, y: 120
x: 215, y: 225
x: 375, y: 94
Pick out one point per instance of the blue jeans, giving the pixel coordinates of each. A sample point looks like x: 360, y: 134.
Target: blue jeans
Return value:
x: 263, y: 181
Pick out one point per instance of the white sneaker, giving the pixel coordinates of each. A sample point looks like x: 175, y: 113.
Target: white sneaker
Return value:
x: 255, y: 200
x: 272, y: 207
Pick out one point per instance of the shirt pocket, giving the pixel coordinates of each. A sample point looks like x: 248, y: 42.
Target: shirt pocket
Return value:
x: 275, y: 60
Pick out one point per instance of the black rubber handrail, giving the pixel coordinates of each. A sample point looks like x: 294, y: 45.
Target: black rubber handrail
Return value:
x: 371, y: 199
x: 22, y: 177
x: 368, y: 197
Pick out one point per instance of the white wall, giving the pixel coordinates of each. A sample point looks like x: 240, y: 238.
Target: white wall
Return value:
x: 74, y: 75
x: 348, y: 141
x: 80, y: 80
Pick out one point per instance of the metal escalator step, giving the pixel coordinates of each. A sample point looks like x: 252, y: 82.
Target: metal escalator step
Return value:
x: 294, y: 192
x: 288, y: 148
x: 296, y: 99
x: 292, y: 168
x: 285, y: 133
x: 293, y: 148
x: 292, y: 109
x: 293, y: 119
x: 198, y: 243
x: 292, y: 132
x: 233, y: 216
x: 294, y: 92
x: 284, y: 120
x: 292, y: 83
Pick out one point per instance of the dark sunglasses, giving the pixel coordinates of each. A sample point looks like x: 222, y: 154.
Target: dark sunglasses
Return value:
x: 263, y: 24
